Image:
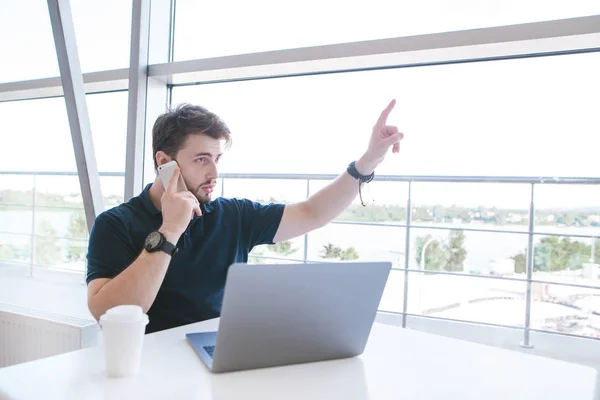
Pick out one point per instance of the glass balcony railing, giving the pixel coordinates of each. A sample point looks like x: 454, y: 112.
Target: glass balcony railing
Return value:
x: 502, y: 251
x: 42, y: 220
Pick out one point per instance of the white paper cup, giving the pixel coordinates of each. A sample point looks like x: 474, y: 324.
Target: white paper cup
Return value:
x: 123, y: 329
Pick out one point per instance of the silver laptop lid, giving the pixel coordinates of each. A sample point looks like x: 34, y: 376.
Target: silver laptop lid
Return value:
x: 292, y: 313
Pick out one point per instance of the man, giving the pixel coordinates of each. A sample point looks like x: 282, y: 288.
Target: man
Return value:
x: 168, y: 250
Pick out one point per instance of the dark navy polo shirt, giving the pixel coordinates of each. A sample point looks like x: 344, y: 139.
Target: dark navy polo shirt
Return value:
x: 193, y: 287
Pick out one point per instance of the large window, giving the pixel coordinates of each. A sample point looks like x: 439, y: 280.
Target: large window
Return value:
x: 526, y: 117
x: 514, y: 118
x: 41, y: 209
x: 460, y: 244
x: 27, y: 44
x: 210, y: 29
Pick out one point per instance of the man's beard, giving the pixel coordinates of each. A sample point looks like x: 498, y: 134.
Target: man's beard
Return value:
x: 200, y: 194
x: 202, y: 197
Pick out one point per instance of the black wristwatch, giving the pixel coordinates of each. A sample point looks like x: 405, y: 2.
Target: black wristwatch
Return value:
x: 157, y: 241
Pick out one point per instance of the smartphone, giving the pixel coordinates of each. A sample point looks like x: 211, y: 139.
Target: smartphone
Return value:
x: 165, y: 172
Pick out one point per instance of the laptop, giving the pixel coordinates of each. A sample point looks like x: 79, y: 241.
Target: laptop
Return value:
x: 282, y: 314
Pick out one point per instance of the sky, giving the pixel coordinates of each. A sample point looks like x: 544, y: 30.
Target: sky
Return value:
x: 528, y: 117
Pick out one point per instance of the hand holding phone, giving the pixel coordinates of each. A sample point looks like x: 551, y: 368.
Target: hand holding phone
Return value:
x: 178, y: 205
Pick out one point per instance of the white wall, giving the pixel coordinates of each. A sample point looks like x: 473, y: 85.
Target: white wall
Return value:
x: 52, y: 291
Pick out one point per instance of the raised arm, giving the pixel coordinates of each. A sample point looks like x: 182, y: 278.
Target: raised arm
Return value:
x: 329, y: 202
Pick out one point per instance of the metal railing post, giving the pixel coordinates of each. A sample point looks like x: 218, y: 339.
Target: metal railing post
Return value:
x: 526, y: 339
x: 306, y: 234
x: 33, y: 201
x: 407, y: 253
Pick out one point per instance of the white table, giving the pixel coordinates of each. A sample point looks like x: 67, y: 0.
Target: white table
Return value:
x: 397, y: 363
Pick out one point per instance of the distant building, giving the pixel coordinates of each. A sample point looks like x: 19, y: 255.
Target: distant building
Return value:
x: 593, y: 218
x: 502, y: 266
x: 514, y: 218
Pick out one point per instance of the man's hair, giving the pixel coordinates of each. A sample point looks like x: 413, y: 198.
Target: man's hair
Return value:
x: 172, y: 128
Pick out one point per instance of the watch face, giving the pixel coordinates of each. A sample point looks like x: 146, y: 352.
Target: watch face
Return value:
x: 152, y: 240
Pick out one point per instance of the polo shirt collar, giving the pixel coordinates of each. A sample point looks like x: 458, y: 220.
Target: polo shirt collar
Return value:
x: 206, y: 208
x: 147, y: 201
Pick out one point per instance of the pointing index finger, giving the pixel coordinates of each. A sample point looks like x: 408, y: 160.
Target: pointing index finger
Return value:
x: 385, y: 113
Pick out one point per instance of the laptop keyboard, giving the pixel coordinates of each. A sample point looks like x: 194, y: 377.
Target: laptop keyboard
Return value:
x: 210, y: 350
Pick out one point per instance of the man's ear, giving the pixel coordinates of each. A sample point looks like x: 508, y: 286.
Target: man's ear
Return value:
x: 162, y: 158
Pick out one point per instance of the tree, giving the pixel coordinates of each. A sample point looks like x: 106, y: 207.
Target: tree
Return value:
x: 284, y: 248
x: 16, y: 196
x: 422, y: 214
x: 456, y: 251
x: 448, y: 257
x: 439, y: 214
x: 557, y: 254
x: 331, y: 251
x: 396, y: 213
x: 7, y: 251
x: 349, y: 254
x: 47, y: 250
x: 10, y: 252
x: 435, y: 256
x: 77, y: 229
x: 520, y: 262
x: 566, y: 219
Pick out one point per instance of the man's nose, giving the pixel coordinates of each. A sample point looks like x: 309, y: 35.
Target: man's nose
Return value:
x: 213, y: 172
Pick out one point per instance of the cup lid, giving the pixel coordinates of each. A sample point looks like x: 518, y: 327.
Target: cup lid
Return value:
x: 124, y: 313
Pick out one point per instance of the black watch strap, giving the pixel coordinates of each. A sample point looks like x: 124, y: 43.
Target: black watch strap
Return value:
x: 168, y: 248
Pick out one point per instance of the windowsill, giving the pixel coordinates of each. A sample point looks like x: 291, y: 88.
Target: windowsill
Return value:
x: 58, y: 292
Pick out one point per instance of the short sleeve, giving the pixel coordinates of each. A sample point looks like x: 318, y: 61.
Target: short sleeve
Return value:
x: 261, y: 221
x: 110, y: 249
